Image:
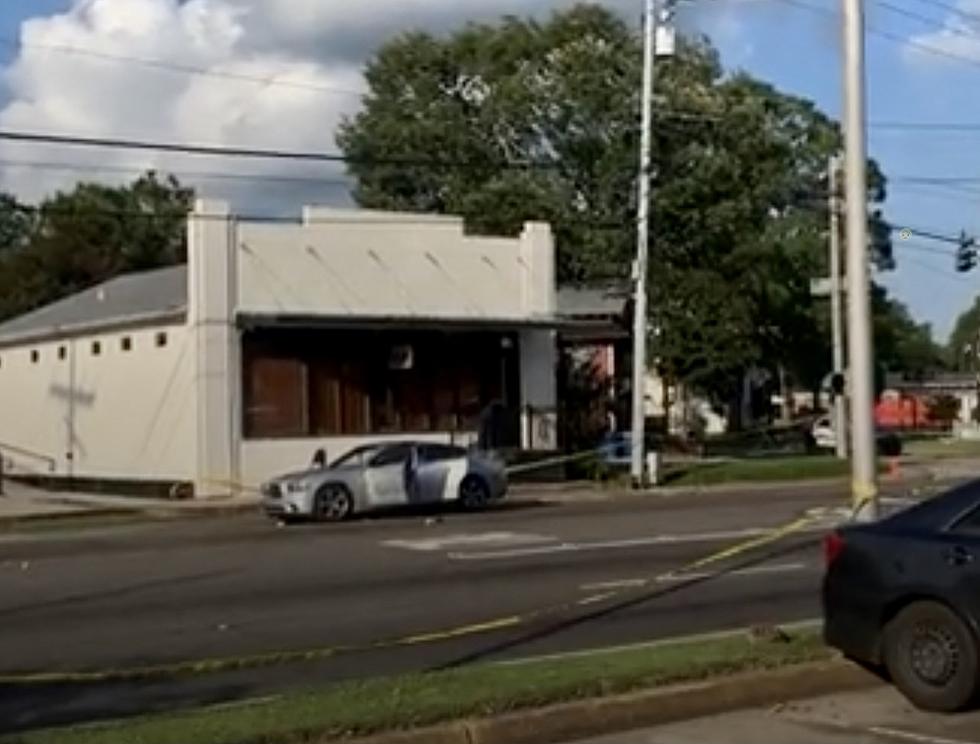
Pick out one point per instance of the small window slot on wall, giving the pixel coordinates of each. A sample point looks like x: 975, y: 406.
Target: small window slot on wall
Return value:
x: 96, y: 348
x: 126, y: 344
x: 35, y: 356
x: 161, y: 339
x: 62, y: 352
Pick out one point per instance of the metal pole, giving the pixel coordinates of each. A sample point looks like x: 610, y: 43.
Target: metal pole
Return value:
x: 864, y: 490
x: 638, y: 450
x: 836, y: 310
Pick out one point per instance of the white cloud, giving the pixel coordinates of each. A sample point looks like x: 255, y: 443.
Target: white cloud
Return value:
x: 958, y: 37
x: 309, y: 51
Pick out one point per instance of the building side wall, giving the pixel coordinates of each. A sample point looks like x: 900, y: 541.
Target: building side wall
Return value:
x: 128, y: 414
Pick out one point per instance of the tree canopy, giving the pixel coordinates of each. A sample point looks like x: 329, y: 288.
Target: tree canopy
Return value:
x: 79, y: 238
x: 524, y: 119
x: 961, y: 351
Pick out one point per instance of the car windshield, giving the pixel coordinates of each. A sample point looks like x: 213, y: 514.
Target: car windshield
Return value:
x: 359, y: 456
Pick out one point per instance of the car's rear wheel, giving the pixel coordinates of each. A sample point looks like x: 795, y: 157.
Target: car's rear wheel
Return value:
x: 333, y: 504
x: 474, y: 493
x: 931, y: 656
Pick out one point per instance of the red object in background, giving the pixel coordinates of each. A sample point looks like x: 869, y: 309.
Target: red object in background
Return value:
x: 906, y: 412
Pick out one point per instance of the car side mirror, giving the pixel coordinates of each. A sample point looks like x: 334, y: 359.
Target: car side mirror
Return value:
x: 320, y: 459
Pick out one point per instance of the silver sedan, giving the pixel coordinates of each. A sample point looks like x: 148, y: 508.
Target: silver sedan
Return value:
x: 378, y: 476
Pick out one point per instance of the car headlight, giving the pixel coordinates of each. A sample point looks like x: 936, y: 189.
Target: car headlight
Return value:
x: 297, y: 487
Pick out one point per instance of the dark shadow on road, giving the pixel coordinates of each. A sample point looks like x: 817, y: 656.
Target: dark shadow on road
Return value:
x: 113, y: 593
x: 24, y: 708
x: 548, y: 629
x: 31, y: 706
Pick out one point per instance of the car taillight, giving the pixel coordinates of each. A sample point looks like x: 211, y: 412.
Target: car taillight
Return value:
x: 833, y: 546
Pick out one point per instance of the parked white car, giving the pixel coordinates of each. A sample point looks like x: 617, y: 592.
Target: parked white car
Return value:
x: 888, y: 444
x: 823, y: 433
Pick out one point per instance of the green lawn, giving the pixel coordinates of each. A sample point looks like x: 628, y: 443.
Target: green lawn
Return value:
x: 942, y: 448
x: 357, y: 708
x: 767, y: 469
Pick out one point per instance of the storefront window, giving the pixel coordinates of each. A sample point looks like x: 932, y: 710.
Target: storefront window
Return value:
x: 350, y: 383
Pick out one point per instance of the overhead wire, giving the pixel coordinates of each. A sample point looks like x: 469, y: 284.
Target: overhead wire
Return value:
x: 949, y: 8
x: 184, y: 69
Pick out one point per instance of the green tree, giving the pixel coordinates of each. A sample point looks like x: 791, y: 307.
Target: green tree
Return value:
x: 92, y: 233
x: 739, y: 212
x: 901, y: 344
x: 16, y: 225
x: 961, y: 351
x: 945, y: 409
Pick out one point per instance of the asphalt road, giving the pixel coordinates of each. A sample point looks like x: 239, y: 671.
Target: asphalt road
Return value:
x: 158, y: 593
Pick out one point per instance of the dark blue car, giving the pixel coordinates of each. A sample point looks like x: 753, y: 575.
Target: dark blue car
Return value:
x: 903, y: 594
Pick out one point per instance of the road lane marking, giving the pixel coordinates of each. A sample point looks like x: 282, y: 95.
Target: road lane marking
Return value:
x: 620, y: 584
x: 678, y: 578
x: 435, y: 544
x: 636, y: 542
x: 595, y: 599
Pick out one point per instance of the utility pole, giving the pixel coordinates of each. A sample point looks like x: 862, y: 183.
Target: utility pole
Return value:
x: 864, y: 489
x: 638, y: 450
x: 836, y: 310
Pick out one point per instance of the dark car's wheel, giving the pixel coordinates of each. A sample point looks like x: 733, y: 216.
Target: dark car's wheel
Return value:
x: 931, y: 656
x: 474, y: 493
x: 333, y: 504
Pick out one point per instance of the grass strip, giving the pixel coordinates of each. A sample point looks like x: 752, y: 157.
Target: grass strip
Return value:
x: 396, y: 703
x: 760, y: 470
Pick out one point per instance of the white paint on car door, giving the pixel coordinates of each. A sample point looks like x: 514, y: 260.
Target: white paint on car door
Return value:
x: 386, y: 476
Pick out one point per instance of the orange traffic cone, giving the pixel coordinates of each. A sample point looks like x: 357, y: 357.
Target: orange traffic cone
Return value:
x: 894, y: 468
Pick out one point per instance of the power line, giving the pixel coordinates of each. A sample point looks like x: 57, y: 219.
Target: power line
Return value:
x: 927, y: 20
x: 950, y: 9
x: 922, y: 248
x: 181, y: 68
x: 929, y: 126
x: 268, y: 154
x: 200, y: 175
x: 887, y: 35
x: 953, y: 277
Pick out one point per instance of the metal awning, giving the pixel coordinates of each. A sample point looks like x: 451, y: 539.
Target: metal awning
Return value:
x: 250, y: 321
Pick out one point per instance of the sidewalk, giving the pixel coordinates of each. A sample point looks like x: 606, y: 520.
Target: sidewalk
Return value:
x: 20, y: 504
x: 876, y: 715
x: 23, y: 504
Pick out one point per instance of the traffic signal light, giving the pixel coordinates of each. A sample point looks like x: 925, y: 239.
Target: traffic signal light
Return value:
x: 838, y: 383
x: 966, y: 253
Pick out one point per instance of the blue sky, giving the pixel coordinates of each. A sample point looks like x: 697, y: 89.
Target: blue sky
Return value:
x: 798, y: 50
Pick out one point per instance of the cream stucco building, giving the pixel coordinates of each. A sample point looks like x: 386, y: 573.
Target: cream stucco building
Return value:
x: 280, y: 338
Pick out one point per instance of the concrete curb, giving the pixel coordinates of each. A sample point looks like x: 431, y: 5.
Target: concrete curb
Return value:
x: 136, y: 513
x: 11, y: 521
x: 596, y: 717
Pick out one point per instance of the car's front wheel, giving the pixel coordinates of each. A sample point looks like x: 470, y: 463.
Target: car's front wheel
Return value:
x: 333, y: 503
x: 932, y: 657
x: 474, y: 493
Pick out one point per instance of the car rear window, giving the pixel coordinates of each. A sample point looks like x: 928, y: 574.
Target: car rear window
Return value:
x: 437, y: 452
x: 938, y: 513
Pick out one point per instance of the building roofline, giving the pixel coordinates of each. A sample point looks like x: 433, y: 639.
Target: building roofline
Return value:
x: 171, y: 316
